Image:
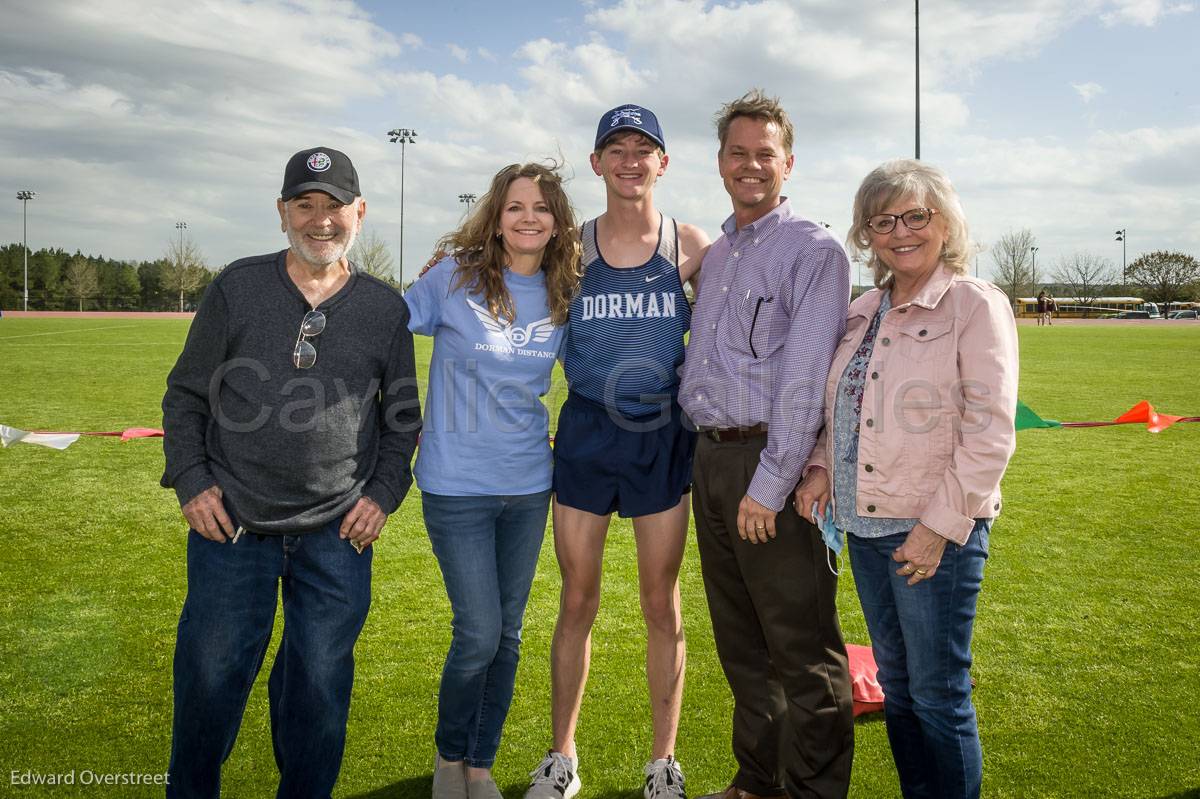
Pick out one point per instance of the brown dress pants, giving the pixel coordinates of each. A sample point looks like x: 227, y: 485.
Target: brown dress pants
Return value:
x: 776, y: 628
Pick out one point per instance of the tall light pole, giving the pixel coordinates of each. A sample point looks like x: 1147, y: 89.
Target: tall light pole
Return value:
x: 917, y: 40
x: 1121, y: 238
x: 404, y: 136
x: 1034, y: 270
x: 467, y: 199
x: 24, y: 195
x: 181, y: 226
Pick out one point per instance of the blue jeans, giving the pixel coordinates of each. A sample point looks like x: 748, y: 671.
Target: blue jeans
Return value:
x: 921, y: 637
x: 487, y: 548
x: 223, y: 634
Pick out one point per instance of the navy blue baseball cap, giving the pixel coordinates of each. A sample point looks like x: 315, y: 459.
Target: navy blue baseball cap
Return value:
x: 320, y: 169
x: 631, y: 118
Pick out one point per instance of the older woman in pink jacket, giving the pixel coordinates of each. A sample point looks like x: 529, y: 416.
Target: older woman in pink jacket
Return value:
x: 918, y: 431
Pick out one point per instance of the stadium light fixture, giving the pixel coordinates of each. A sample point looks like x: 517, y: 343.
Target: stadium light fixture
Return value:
x: 25, y: 195
x: 1121, y: 238
x: 403, y: 136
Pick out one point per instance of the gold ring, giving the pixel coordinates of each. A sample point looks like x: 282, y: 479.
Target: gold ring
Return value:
x: 922, y: 572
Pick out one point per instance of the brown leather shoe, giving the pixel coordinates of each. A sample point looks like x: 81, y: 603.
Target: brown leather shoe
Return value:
x: 734, y: 792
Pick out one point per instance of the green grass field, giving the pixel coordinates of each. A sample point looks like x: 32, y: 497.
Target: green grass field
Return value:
x: 1086, y: 647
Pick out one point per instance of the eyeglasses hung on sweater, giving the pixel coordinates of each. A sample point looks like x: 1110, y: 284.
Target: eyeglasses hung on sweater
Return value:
x: 305, y: 354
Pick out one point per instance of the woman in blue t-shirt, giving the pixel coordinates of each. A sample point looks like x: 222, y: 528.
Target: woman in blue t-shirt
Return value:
x: 495, y: 307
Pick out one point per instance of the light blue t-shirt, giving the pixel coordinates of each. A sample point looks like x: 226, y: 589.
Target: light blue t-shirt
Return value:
x: 486, y: 430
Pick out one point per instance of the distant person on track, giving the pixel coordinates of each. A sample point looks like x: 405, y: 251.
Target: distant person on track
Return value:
x: 1045, y: 307
x: 290, y: 418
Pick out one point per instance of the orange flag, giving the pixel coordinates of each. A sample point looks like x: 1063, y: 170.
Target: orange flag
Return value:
x: 1144, y: 412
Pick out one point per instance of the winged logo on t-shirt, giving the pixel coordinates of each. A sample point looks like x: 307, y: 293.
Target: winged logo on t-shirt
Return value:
x: 537, y: 332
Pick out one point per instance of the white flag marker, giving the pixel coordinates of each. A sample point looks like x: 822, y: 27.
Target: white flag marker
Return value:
x: 11, y: 435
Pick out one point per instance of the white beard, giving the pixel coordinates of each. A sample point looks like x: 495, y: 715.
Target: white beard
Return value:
x: 331, y: 255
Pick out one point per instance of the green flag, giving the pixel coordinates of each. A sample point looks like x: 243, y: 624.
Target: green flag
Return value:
x: 1027, y: 419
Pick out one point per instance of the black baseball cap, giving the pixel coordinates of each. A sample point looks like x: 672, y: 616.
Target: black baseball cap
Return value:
x: 320, y: 169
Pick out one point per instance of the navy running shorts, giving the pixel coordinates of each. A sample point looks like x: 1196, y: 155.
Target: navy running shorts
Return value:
x: 634, y: 467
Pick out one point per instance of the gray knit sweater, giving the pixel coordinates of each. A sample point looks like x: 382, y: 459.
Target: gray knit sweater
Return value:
x: 292, y: 449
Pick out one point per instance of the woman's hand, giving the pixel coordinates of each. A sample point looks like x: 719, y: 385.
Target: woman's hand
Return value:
x: 920, y: 553
x: 813, y: 488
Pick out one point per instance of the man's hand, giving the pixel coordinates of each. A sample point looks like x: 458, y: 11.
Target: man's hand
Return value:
x: 920, y: 553
x: 363, y: 523
x: 755, y: 522
x: 205, y: 513
x: 813, y: 488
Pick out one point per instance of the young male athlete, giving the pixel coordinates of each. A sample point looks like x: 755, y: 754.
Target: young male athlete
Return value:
x: 621, y: 445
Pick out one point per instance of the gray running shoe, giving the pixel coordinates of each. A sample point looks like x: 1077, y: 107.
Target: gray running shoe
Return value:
x: 554, y: 778
x: 664, y: 780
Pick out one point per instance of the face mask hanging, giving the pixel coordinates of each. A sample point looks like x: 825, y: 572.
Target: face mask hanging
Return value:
x: 833, y: 537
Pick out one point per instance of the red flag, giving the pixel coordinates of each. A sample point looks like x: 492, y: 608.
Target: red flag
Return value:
x: 141, y: 432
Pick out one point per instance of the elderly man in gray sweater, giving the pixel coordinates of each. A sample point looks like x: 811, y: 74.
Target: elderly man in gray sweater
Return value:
x: 291, y: 417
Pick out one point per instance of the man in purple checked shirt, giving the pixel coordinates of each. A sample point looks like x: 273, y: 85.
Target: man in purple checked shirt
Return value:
x: 771, y: 309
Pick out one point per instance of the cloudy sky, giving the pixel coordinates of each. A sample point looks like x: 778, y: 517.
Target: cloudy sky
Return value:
x: 1073, y: 118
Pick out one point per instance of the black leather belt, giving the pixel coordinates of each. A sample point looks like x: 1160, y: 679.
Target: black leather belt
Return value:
x: 734, y: 433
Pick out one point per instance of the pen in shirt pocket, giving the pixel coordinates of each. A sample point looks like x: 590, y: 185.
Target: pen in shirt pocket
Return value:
x: 754, y: 322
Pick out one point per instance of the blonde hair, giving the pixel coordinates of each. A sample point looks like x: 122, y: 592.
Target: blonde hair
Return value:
x: 480, y: 252
x: 925, y: 184
x: 756, y: 104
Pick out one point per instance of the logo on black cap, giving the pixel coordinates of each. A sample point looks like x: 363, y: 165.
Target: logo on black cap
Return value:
x: 319, y: 162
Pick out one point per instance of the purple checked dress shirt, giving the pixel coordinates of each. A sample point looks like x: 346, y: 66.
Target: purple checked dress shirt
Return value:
x: 769, y: 315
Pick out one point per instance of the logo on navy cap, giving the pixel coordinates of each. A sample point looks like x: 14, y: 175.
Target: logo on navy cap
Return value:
x: 319, y: 162
x: 634, y: 115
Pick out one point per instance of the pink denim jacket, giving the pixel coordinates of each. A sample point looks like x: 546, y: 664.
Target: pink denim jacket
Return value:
x: 940, y: 395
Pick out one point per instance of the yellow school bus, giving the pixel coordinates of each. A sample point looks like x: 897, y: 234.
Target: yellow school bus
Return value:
x: 1070, y: 308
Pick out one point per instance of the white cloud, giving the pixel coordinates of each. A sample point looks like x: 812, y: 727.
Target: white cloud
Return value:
x: 1073, y: 195
x: 1088, y: 91
x: 171, y: 111
x: 1143, y: 12
x: 126, y: 119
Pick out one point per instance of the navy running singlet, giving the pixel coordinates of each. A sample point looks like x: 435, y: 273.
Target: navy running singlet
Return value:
x: 625, y: 328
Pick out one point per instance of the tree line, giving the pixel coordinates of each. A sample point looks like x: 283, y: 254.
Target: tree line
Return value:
x: 1162, y: 276
x: 63, y: 281
x: 59, y: 280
